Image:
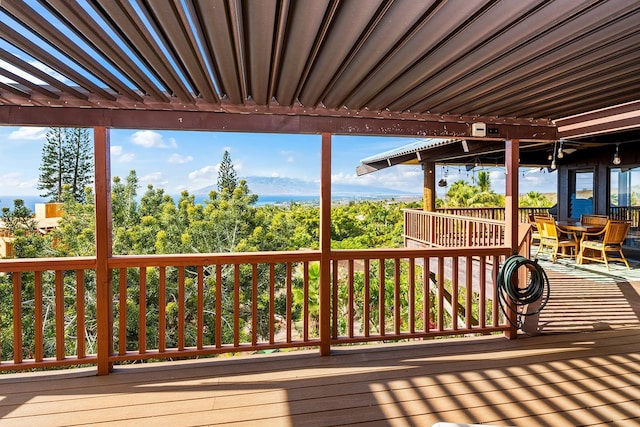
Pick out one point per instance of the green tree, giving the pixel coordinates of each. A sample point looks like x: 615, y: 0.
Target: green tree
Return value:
x: 227, y: 177
x: 123, y: 201
x: 463, y: 194
x: 66, y: 160
x: 534, y: 199
x: 20, y: 218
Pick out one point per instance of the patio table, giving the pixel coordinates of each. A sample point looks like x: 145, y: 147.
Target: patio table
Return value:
x: 568, y: 225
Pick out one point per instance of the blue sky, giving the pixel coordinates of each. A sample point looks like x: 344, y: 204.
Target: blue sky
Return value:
x: 179, y: 160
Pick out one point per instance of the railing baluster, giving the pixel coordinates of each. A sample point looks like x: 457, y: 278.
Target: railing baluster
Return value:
x: 469, y: 293
x: 381, y: 297
x: 60, y: 335
x: 334, y: 298
x: 122, y: 312
x: 350, y: 301
x: 289, y: 302
x: 426, y: 293
x: 494, y: 276
x: 80, y: 314
x: 181, y: 309
x: 483, y: 292
x: 412, y: 295
x: 218, y: 305
x: 305, y: 304
x: 272, y: 318
x: 367, y: 297
x: 236, y: 305
x: 200, y: 308
x: 142, y: 311
x: 440, y: 293
x: 455, y: 303
x: 38, y: 312
x: 17, y: 317
x: 254, y: 304
x: 397, y: 303
x: 162, y: 307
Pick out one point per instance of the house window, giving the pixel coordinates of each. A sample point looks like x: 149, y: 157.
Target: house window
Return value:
x: 624, y: 201
x: 625, y: 187
x: 581, y: 192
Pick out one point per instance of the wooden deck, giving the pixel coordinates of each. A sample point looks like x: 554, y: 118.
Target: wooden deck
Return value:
x: 581, y: 369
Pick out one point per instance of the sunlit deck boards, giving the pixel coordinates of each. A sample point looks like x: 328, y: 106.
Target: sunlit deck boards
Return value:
x: 566, y: 379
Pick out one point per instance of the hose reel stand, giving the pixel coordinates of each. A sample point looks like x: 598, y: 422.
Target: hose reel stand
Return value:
x: 517, y: 299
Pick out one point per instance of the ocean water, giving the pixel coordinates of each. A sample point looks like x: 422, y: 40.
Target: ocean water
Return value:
x: 30, y: 201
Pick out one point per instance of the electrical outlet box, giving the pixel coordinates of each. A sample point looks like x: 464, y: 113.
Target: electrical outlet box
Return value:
x: 478, y: 129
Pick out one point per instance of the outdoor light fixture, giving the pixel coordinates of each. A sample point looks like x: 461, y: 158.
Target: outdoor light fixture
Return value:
x: 560, y: 152
x: 552, y: 156
x: 616, y: 156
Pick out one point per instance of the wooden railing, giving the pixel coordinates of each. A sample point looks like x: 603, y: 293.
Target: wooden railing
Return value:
x: 445, y: 230
x: 492, y: 213
x: 626, y: 213
x: 170, y: 306
x: 459, y: 227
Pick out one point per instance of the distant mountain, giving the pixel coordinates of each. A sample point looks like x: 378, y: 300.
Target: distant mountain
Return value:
x: 277, y: 186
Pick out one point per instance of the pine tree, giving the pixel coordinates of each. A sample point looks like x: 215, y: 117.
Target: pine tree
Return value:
x: 227, y: 178
x: 80, y: 161
x: 66, y: 160
x: 52, y: 168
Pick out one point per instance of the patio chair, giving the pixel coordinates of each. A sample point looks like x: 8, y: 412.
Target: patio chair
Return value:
x: 535, y: 234
x: 592, y: 219
x: 609, y: 240
x: 554, y: 241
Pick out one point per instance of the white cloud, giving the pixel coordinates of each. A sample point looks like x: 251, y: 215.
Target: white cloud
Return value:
x: 207, y: 175
x: 177, y: 158
x: 151, y: 139
x: 155, y: 178
x: 127, y: 158
x: 399, y: 178
x: 118, y: 154
x: 29, y: 133
x: 14, y: 183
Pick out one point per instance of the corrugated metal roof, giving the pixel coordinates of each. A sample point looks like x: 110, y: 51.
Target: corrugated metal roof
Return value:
x: 499, y: 61
x: 412, y: 148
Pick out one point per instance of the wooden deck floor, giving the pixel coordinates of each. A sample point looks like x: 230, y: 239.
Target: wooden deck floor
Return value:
x: 585, y: 374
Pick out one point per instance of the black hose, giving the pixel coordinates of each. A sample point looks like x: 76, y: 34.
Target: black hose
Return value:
x: 514, y: 298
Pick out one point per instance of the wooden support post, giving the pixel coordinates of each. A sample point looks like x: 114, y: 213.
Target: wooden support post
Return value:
x: 429, y: 190
x: 325, y: 246
x: 104, y: 291
x: 512, y: 162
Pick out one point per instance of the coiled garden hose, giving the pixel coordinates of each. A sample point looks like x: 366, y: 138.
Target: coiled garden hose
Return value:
x: 515, y: 298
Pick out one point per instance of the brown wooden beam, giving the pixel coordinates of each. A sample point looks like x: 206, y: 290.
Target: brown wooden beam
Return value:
x: 512, y: 150
x: 325, y: 246
x: 429, y: 191
x: 295, y: 123
x: 104, y: 290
